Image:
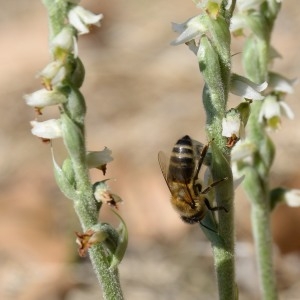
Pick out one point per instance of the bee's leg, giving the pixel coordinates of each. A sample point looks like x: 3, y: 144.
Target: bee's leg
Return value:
x: 215, y: 207
x: 207, y: 189
x: 201, y: 159
x: 208, y: 228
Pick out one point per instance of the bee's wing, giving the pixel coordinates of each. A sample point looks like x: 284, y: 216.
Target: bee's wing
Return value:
x: 198, y: 147
x: 163, y: 163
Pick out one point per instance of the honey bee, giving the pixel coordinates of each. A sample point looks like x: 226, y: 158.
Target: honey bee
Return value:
x: 181, y: 176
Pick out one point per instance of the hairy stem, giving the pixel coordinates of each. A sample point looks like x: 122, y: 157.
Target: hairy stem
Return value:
x: 256, y: 58
x: 72, y: 117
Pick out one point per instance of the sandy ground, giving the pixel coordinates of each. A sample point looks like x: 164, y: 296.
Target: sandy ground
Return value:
x: 142, y: 95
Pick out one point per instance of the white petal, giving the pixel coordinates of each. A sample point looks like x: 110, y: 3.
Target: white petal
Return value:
x: 242, y: 150
x: 96, y: 159
x: 54, y: 72
x: 51, y: 69
x: 281, y: 84
x: 292, y: 198
x: 80, y: 18
x: 286, y: 110
x: 237, y: 22
x: 189, y: 30
x: 63, y: 40
x: 77, y: 22
x: 43, y: 97
x: 231, y: 126
x: 245, y: 88
x: 88, y: 17
x: 49, y: 129
x: 270, y: 107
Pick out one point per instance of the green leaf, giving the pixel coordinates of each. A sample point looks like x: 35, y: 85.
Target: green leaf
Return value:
x: 122, y: 243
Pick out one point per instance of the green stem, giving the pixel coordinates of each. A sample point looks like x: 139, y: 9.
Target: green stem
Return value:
x: 260, y: 216
x: 256, y: 187
x: 84, y: 204
x: 223, y: 244
x: 56, y: 14
x: 108, y: 279
x: 256, y: 182
x: 216, y: 72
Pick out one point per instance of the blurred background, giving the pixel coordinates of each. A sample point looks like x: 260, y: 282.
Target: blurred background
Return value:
x: 142, y: 95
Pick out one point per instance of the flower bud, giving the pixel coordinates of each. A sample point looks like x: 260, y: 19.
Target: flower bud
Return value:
x: 73, y: 137
x: 77, y: 75
x: 65, y: 178
x: 75, y: 107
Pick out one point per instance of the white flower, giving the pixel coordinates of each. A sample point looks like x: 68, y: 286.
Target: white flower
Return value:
x: 43, y: 97
x: 232, y: 125
x: 271, y: 112
x: 81, y: 19
x: 99, y: 159
x: 241, y: 154
x: 292, y: 197
x: 65, y: 40
x: 245, y: 88
x: 281, y: 84
x: 191, y: 29
x: 53, y: 74
x: 243, y: 150
x: 49, y: 129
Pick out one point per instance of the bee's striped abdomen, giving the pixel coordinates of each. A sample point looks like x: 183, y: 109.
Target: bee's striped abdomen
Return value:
x: 182, y: 162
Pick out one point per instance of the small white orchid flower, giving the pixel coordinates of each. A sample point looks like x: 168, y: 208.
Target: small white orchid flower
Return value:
x: 81, y: 19
x: 99, y: 159
x: 245, y: 88
x: 242, y: 150
x: 292, y: 197
x: 65, y: 40
x: 281, y: 84
x: 50, y: 129
x: 232, y: 125
x: 53, y: 74
x: 43, y: 97
x: 272, y: 110
x: 191, y: 29
x: 241, y: 154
